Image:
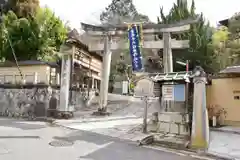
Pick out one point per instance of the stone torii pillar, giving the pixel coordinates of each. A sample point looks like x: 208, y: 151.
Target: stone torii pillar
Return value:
x: 200, y: 125
x: 105, y: 73
x: 112, y: 38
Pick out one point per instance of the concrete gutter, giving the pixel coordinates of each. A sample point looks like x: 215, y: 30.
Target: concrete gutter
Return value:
x: 181, y: 148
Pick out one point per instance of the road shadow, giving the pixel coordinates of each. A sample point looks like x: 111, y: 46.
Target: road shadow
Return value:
x: 126, y: 151
x: 86, y: 136
x: 19, y: 137
x: 24, y: 125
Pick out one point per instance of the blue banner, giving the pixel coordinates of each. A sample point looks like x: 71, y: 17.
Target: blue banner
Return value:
x: 135, y: 48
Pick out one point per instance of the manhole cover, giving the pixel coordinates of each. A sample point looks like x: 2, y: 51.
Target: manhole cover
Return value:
x: 60, y: 143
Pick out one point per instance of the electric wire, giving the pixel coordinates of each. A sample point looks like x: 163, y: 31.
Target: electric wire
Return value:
x: 14, y: 55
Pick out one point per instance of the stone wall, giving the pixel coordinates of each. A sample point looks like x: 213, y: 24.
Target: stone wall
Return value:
x: 20, y: 100
x: 170, y: 123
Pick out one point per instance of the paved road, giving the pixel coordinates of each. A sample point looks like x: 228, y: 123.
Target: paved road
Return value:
x: 24, y: 140
x: 229, y: 146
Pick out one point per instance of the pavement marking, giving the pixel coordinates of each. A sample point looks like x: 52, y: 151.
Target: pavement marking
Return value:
x: 3, y: 128
x: 86, y: 120
x: 89, y: 151
x: 104, y: 125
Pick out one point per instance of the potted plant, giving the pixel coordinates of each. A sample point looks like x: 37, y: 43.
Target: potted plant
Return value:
x: 216, y: 113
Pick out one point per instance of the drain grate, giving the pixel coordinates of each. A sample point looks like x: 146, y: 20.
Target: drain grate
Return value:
x: 61, y: 143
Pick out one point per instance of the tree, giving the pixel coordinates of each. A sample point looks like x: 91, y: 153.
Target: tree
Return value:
x: 23, y: 8
x: 51, y: 31
x: 36, y: 38
x: 234, y: 38
x: 120, y: 11
x: 221, y: 34
x: 234, y: 26
x: 226, y: 44
x: 221, y: 55
x: 199, y: 35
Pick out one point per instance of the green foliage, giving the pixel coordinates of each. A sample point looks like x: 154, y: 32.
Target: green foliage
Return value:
x: 120, y: 11
x: 132, y: 86
x: 23, y: 8
x: 220, y: 35
x: 122, y: 68
x: 112, y: 73
x: 234, y: 25
x: 199, y: 35
x: 226, y: 44
x: 38, y: 37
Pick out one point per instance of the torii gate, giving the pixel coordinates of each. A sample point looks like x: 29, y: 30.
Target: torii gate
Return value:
x: 110, y: 38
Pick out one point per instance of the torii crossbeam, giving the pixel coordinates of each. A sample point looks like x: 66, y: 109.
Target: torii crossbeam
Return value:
x: 107, y: 38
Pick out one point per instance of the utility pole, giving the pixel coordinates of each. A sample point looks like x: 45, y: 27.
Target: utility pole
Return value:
x: 187, y: 86
x: 187, y: 97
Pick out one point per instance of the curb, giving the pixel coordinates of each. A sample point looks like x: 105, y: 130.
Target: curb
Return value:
x: 222, y: 157
x: 180, y: 148
x: 225, y: 131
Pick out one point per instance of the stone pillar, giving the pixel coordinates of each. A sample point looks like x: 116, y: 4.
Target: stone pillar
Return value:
x: 93, y: 84
x: 96, y: 84
x: 167, y: 62
x: 105, y: 73
x: 167, y: 53
x: 200, y: 126
x: 65, y: 82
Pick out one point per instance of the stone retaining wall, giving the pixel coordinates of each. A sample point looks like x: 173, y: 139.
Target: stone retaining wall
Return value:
x: 173, y: 123
x: 170, y: 123
x: 17, y: 101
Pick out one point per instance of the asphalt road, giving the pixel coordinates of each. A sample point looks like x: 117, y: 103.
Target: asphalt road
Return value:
x: 23, y: 140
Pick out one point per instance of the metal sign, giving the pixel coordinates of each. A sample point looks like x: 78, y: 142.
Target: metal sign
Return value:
x: 168, y: 92
x: 174, y: 92
x: 144, y: 87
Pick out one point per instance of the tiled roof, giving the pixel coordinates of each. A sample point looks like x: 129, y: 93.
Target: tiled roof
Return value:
x: 231, y: 69
x: 173, y: 76
x: 224, y: 22
x: 74, y: 36
x: 29, y: 62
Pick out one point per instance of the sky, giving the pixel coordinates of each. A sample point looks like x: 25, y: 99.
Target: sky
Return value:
x: 88, y: 11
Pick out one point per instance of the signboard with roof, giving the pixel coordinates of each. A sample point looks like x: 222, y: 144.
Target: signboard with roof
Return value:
x: 144, y: 87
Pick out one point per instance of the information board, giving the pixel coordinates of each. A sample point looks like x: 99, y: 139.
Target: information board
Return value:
x: 173, y: 92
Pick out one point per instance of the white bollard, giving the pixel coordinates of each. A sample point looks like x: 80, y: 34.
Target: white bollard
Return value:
x: 58, y: 79
x: 35, y: 81
x: 214, y: 121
